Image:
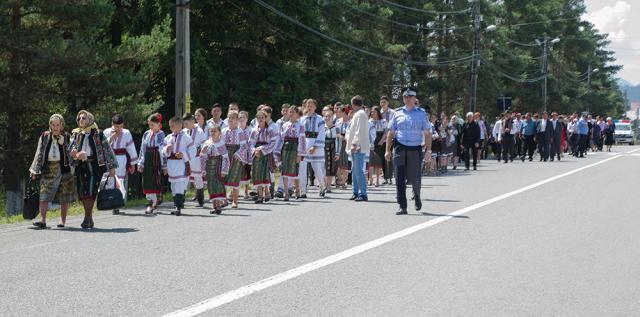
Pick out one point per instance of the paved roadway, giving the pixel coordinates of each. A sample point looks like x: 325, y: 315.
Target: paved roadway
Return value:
x: 567, y: 245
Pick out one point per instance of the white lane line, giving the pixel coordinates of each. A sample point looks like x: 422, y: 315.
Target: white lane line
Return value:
x: 636, y: 150
x: 241, y: 292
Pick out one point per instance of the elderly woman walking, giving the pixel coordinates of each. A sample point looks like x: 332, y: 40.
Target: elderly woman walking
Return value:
x: 92, y: 156
x: 52, y: 163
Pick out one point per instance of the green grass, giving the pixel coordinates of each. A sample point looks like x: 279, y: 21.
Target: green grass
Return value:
x: 74, y: 210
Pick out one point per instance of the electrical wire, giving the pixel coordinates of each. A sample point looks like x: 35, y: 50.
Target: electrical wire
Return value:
x: 397, y: 5
x: 417, y: 26
x: 355, y: 48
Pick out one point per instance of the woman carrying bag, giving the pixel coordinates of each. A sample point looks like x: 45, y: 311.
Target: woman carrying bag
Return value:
x: 92, y: 157
x: 52, y: 162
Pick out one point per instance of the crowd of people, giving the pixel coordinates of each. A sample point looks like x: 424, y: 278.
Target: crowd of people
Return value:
x: 262, y: 159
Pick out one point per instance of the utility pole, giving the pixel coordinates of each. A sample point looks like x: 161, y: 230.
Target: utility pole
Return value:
x: 545, y: 70
x: 546, y: 48
x: 476, y: 54
x: 183, y: 58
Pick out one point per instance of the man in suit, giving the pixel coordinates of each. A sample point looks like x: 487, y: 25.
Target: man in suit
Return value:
x: 507, y: 138
x: 470, y: 141
x: 556, y: 135
x: 543, y: 136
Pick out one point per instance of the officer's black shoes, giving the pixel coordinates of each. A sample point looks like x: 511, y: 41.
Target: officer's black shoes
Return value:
x: 177, y: 212
x: 475, y: 168
x: 116, y: 211
x: 362, y: 198
x: 354, y: 197
x: 403, y: 211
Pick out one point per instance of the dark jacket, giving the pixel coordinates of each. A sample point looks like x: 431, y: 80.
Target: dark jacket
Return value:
x: 470, y: 134
x: 41, y: 158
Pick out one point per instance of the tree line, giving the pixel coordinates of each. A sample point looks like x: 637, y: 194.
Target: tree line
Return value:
x: 107, y: 56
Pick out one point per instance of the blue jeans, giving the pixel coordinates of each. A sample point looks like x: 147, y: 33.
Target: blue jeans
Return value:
x: 357, y: 173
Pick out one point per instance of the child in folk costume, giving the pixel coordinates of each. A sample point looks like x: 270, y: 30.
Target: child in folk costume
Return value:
x: 284, y: 112
x: 197, y: 138
x: 243, y: 119
x: 379, y: 126
x: 314, y: 138
x: 214, y: 162
x: 178, y: 150
x: 290, y: 150
x: 331, y: 147
x: 121, y: 142
x: 262, y: 142
x: 52, y: 162
x: 344, y: 166
x: 151, y: 164
x: 235, y: 140
x: 93, y: 157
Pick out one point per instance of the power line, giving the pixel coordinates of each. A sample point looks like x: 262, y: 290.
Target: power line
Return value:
x: 355, y: 48
x: 417, y: 26
x: 397, y: 5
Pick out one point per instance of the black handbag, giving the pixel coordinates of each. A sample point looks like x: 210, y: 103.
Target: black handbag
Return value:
x: 109, y: 199
x: 30, y: 207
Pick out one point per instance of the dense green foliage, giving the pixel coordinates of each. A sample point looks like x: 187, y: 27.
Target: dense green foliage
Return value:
x: 118, y: 56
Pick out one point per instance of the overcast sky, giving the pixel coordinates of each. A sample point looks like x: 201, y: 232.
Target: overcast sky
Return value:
x: 620, y: 19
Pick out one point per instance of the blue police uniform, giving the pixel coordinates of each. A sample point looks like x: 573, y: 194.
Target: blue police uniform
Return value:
x: 409, y: 127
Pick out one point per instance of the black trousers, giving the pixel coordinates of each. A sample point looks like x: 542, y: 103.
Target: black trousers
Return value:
x: 543, y: 146
x: 574, y: 140
x: 407, y: 162
x: 554, y: 148
x: 470, y: 149
x: 518, y: 147
x: 530, y: 144
x: 507, y: 146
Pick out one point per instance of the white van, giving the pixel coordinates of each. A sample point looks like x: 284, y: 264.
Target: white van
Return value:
x: 624, y: 133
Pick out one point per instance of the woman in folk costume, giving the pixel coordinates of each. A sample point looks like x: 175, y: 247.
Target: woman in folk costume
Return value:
x: 289, y: 151
x: 214, y: 162
x: 52, y: 162
x: 377, y: 150
x: 314, y: 138
x: 198, y: 137
x: 235, y: 140
x: 201, y: 121
x: 121, y: 142
x: 331, y: 147
x: 344, y: 166
x: 262, y: 142
x: 178, y: 150
x: 93, y: 157
x: 245, y: 179
x: 151, y: 164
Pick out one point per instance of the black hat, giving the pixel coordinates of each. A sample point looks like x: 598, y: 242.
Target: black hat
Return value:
x: 409, y: 92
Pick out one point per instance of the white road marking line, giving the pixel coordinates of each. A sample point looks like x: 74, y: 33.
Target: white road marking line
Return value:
x: 632, y: 151
x: 241, y: 292
x: 635, y: 154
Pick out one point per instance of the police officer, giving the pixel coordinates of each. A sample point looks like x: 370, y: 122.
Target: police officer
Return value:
x: 410, y: 136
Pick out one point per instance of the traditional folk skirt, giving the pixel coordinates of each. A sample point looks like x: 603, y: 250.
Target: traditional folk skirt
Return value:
x: 215, y: 181
x: 260, y: 174
x: 330, y: 164
x: 377, y: 152
x: 152, y: 174
x: 343, y: 162
x: 88, y: 176
x: 290, y: 166
x: 56, y: 186
x: 245, y: 178
x: 235, y: 169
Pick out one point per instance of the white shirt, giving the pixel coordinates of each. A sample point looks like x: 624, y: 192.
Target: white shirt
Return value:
x: 497, y: 128
x: 54, y: 151
x: 517, y: 125
x: 86, y: 145
x: 543, y: 125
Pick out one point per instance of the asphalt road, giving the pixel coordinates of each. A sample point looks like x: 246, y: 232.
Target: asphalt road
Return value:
x: 526, y: 239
